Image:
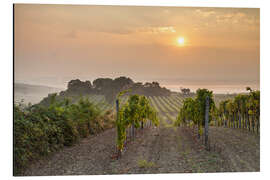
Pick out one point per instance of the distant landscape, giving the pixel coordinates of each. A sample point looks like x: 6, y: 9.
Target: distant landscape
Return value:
x: 28, y: 93
x: 32, y: 93
x: 97, y: 99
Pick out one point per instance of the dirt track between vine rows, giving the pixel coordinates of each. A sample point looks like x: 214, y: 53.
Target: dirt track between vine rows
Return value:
x: 165, y: 149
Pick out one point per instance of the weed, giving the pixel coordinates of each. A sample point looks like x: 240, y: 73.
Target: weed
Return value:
x: 145, y: 164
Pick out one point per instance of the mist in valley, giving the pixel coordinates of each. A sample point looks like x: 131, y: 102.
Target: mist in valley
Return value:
x: 27, y: 93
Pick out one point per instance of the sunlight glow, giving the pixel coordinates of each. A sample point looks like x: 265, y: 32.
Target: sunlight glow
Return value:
x: 181, y: 41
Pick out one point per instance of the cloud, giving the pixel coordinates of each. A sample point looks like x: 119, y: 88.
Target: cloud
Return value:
x: 237, y: 18
x: 204, y: 13
x: 118, y: 31
x: 231, y: 16
x: 130, y: 30
x: 156, y: 30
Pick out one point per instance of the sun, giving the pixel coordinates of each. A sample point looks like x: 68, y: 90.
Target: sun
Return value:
x: 181, y: 41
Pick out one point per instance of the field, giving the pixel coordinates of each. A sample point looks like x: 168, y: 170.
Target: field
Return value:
x: 166, y: 106
x: 162, y: 149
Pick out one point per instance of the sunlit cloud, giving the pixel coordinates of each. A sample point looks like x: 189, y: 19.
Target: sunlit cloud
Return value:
x: 229, y: 16
x: 156, y: 30
x: 235, y: 18
x: 203, y: 13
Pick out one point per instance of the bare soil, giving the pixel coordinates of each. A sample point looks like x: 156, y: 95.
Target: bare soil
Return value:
x: 239, y: 147
x: 165, y: 149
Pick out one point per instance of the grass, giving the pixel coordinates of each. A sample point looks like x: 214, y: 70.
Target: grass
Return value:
x: 144, y: 164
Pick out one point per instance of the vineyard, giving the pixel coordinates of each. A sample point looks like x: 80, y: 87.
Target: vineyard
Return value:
x: 243, y: 111
x: 112, y: 89
x: 165, y: 129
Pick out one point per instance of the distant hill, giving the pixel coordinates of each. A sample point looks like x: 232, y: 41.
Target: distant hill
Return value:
x: 109, y: 88
x: 32, y: 93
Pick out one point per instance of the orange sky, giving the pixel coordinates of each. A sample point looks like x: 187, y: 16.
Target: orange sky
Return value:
x: 54, y: 43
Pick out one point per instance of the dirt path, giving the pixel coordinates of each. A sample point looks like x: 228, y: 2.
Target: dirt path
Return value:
x: 165, y: 149
x: 240, y: 147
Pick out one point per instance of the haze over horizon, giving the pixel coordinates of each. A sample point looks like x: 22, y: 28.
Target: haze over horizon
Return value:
x: 176, y: 46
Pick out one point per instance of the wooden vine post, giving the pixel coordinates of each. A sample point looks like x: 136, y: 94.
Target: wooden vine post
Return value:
x: 206, y: 121
x: 117, y: 119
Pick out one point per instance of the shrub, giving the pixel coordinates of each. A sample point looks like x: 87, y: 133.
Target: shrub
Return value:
x: 40, y: 130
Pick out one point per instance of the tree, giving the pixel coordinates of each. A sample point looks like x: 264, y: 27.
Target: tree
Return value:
x: 155, y: 84
x: 102, y: 84
x: 79, y: 87
x: 249, y: 89
x: 185, y: 91
x: 111, y: 87
x: 122, y: 82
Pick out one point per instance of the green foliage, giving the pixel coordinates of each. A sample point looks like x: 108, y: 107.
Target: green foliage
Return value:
x: 109, y: 88
x: 135, y: 111
x: 201, y: 100
x: 234, y: 112
x: 40, y: 130
x: 145, y: 164
x: 243, y: 105
x: 193, y: 110
x: 121, y: 130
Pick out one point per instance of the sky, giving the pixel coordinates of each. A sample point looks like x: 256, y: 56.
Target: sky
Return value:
x: 219, y: 47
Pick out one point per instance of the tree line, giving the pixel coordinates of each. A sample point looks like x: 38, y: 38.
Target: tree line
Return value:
x: 110, y: 88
